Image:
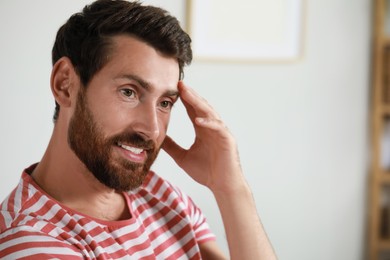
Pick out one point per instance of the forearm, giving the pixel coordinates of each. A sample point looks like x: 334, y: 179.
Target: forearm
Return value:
x: 245, y: 233
x: 213, y: 161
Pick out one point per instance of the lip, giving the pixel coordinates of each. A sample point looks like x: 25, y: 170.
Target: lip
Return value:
x: 132, y: 156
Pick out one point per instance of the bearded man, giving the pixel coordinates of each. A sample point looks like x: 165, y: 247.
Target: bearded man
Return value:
x: 117, y: 71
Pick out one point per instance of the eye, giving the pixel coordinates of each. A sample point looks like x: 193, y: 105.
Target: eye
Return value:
x: 166, y: 104
x: 128, y: 92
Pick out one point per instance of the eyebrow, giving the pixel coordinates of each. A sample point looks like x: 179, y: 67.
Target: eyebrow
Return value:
x: 147, y: 86
x: 144, y: 84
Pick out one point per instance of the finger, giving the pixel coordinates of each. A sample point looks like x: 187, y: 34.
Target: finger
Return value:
x: 211, y: 123
x: 195, y: 104
x: 193, y: 99
x: 218, y: 127
x: 173, y: 149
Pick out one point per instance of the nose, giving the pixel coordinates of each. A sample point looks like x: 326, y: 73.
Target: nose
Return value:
x: 147, y: 123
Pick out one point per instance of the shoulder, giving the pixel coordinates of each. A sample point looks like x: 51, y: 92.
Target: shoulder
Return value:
x: 27, y: 241
x: 158, y: 191
x: 29, y: 209
x: 25, y: 200
x: 27, y: 225
x: 164, y: 191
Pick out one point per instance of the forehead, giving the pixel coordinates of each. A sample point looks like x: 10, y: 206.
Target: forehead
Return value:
x: 129, y: 55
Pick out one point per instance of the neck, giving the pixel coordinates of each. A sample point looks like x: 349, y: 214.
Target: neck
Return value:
x: 64, y: 177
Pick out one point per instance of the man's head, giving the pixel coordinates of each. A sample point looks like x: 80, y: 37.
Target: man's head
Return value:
x: 86, y: 38
x: 115, y: 74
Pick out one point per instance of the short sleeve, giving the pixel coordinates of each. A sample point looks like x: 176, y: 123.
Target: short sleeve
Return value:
x: 199, y: 223
x: 20, y: 243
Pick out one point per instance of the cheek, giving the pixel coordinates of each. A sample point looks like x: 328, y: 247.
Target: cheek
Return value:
x: 163, y: 125
x: 109, y: 120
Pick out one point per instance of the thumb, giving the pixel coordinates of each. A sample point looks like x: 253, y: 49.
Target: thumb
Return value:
x: 173, y: 149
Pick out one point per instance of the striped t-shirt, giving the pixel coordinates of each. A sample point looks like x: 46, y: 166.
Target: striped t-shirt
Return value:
x: 165, y: 224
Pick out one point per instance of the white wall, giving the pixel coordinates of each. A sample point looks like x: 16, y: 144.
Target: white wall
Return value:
x: 302, y: 127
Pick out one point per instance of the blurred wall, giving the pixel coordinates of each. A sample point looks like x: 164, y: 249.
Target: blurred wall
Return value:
x: 302, y: 127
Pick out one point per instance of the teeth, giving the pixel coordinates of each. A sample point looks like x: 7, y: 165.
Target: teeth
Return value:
x: 131, y: 149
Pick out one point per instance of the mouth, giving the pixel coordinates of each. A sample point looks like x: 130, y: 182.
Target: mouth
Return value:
x: 131, y: 153
x: 132, y: 149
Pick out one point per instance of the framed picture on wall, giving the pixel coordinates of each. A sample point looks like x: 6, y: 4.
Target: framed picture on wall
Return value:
x: 257, y: 30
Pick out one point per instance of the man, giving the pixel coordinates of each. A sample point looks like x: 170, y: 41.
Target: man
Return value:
x: 117, y: 70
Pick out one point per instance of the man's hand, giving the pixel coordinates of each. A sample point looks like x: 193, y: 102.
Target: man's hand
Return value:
x: 213, y: 159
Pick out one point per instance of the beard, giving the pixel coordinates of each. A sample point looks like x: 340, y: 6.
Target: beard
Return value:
x: 95, y: 150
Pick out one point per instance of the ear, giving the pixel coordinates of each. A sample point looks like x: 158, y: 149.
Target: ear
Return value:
x: 64, y: 82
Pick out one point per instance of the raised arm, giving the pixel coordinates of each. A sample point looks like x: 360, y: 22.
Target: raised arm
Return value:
x: 213, y: 161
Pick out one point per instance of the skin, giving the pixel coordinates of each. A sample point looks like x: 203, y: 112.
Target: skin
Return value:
x: 212, y: 160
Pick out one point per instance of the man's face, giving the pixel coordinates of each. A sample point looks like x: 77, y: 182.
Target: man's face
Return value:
x: 121, y: 119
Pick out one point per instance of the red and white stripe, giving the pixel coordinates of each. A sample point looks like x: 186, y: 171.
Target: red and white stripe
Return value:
x: 165, y: 224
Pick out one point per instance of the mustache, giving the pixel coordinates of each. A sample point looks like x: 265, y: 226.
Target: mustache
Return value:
x: 133, y: 139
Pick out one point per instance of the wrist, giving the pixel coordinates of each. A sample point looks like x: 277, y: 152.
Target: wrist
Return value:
x: 238, y: 190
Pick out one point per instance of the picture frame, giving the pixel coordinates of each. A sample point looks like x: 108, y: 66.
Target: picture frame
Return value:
x: 251, y: 30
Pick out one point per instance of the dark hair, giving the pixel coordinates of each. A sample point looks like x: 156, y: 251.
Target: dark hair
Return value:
x: 86, y: 37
